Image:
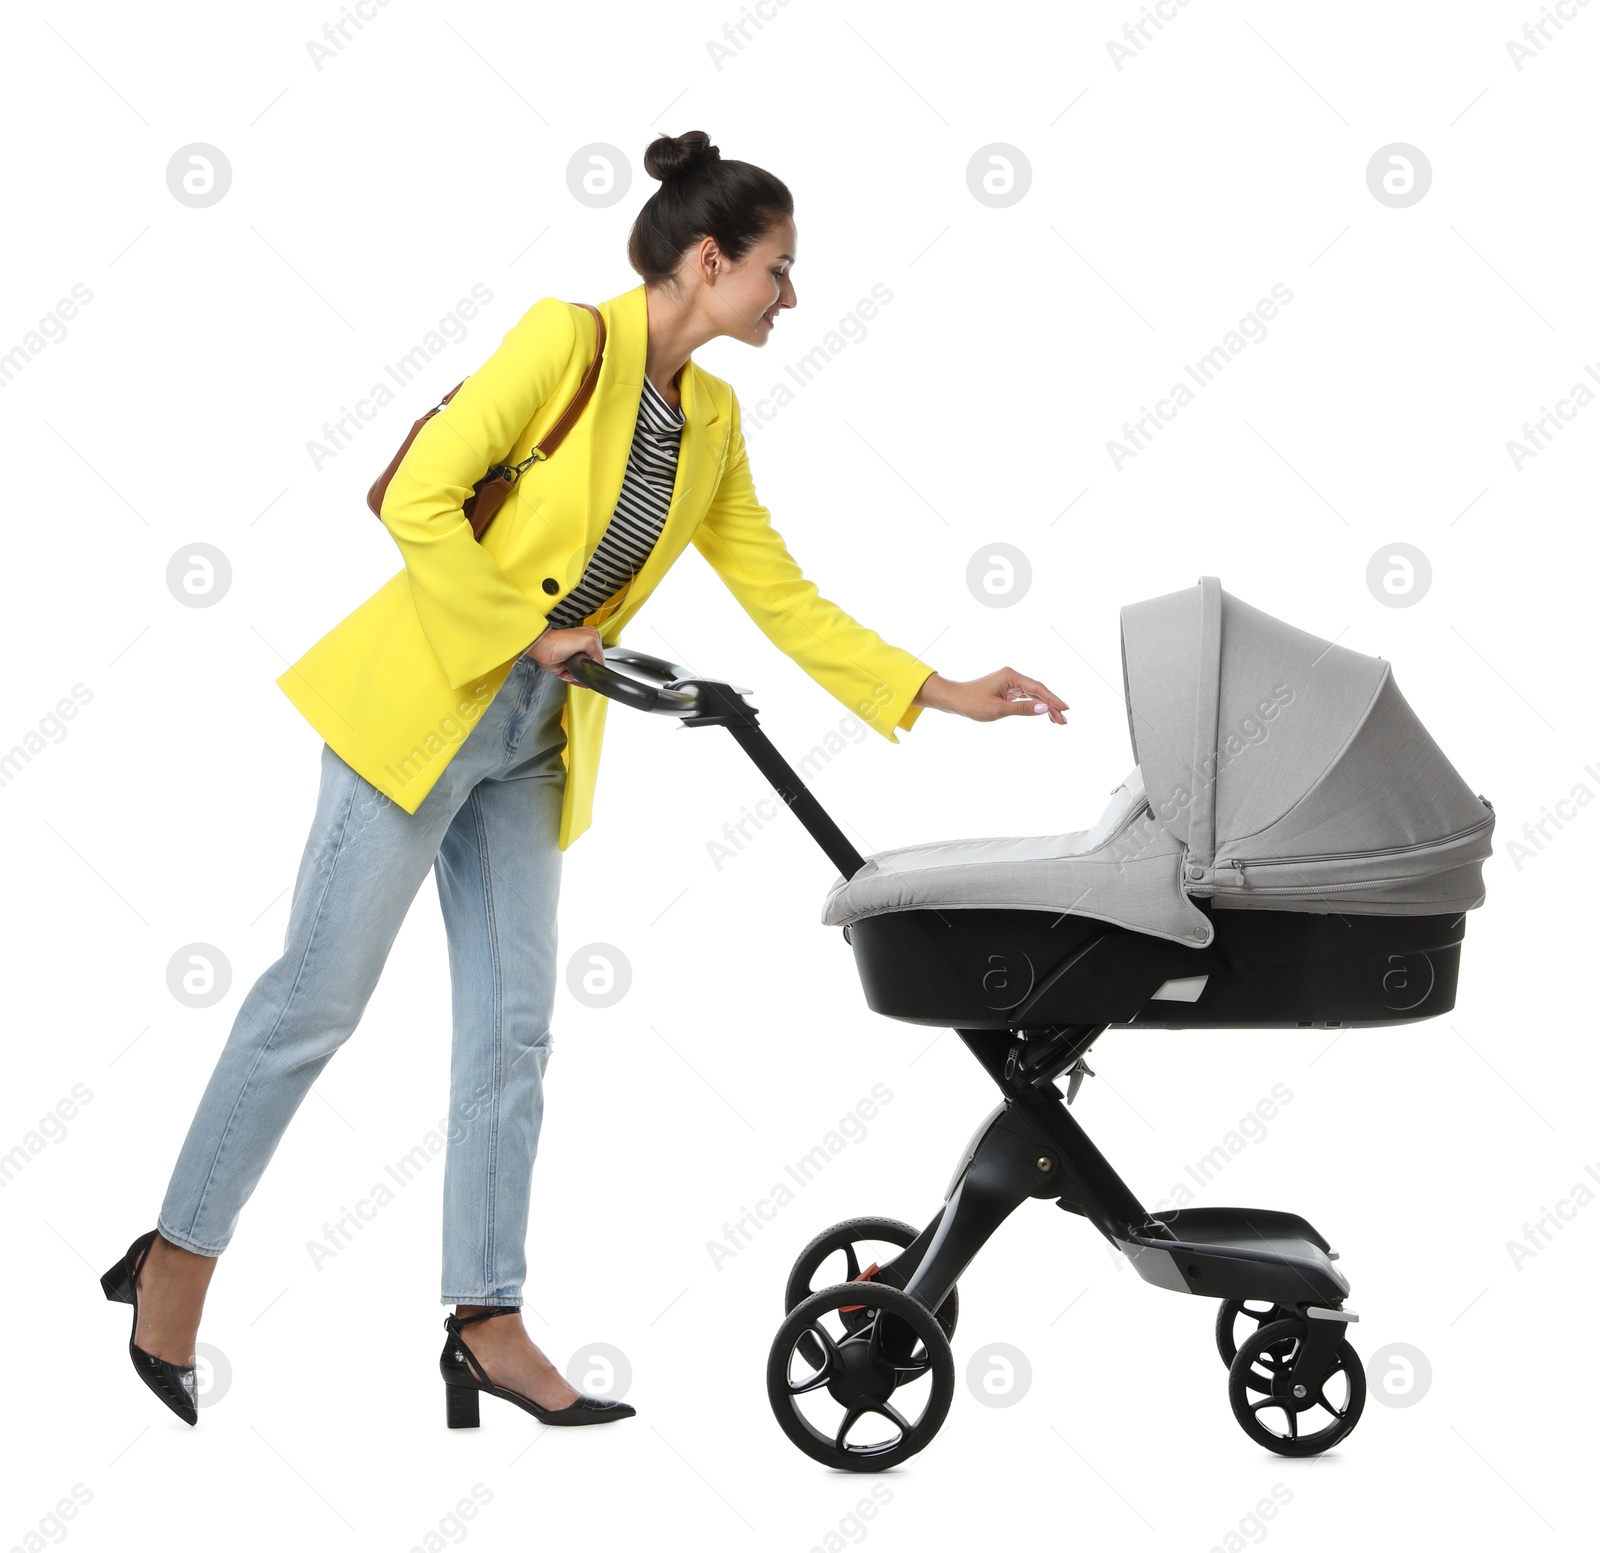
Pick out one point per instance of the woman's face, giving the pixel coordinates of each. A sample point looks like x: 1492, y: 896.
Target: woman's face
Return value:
x: 745, y: 298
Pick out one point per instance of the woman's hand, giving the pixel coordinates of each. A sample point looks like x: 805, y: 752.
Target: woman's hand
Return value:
x: 553, y: 647
x: 1005, y: 693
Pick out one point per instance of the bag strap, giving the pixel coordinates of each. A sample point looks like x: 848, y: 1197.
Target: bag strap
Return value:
x: 504, y: 473
x: 551, y: 440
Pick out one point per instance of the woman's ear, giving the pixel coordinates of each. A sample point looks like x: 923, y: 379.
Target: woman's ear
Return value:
x: 710, y: 259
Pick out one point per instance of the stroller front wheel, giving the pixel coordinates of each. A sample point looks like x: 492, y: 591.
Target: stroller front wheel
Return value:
x: 1293, y: 1418
x: 880, y: 1387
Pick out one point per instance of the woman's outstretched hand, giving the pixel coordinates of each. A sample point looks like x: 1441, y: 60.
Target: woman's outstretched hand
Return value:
x: 553, y: 646
x: 1005, y: 693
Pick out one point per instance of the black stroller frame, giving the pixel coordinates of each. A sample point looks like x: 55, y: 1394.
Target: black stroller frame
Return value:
x: 1028, y: 992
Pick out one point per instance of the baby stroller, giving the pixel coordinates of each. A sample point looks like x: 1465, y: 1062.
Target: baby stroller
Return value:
x: 1291, y: 851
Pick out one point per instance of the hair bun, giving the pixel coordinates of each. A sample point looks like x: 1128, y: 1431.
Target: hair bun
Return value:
x: 672, y: 157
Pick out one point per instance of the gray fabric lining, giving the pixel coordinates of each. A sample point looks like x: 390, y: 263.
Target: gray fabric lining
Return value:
x: 1275, y: 771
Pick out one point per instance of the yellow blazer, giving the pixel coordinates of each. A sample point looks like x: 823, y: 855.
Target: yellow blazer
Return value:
x: 397, y: 685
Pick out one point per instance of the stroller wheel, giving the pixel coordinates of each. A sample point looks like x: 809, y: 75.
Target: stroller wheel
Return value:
x: 844, y: 1253
x: 1230, y: 1327
x: 1262, y: 1397
x: 882, y: 1386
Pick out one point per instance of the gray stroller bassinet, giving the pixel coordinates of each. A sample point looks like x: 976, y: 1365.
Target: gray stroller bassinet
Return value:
x: 1291, y: 849
x: 1277, y: 773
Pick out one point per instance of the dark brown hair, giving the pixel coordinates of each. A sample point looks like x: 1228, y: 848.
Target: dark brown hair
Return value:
x: 701, y: 195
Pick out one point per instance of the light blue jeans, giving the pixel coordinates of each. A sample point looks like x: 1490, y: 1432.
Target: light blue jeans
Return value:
x: 487, y: 829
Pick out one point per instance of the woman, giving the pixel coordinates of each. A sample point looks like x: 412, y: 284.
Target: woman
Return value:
x: 456, y: 740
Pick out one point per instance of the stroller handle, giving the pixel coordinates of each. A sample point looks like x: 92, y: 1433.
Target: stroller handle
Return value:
x: 651, y: 684
x: 661, y: 690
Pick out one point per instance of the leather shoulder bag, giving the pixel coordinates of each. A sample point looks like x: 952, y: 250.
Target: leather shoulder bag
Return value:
x: 489, y: 492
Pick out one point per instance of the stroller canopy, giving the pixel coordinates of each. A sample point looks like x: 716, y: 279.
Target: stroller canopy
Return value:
x: 1275, y: 771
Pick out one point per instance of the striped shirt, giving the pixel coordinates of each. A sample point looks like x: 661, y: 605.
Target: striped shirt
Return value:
x: 641, y: 511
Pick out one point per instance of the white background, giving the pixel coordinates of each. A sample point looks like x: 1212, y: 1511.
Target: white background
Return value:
x: 1167, y: 197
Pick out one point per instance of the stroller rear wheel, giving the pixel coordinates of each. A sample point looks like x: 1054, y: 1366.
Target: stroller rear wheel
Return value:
x: 844, y: 1253
x: 1230, y: 1327
x: 1291, y: 1419
x: 881, y: 1386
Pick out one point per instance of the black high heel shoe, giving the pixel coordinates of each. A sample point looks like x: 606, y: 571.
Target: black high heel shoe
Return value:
x: 173, y: 1383
x: 462, y: 1385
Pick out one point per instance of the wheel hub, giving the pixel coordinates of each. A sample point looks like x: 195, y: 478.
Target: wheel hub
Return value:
x: 859, y: 1375
x: 1294, y: 1394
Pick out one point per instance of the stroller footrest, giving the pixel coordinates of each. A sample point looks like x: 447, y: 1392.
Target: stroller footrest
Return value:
x: 1236, y: 1254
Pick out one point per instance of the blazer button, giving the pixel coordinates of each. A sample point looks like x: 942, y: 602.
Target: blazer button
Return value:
x: 550, y: 585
